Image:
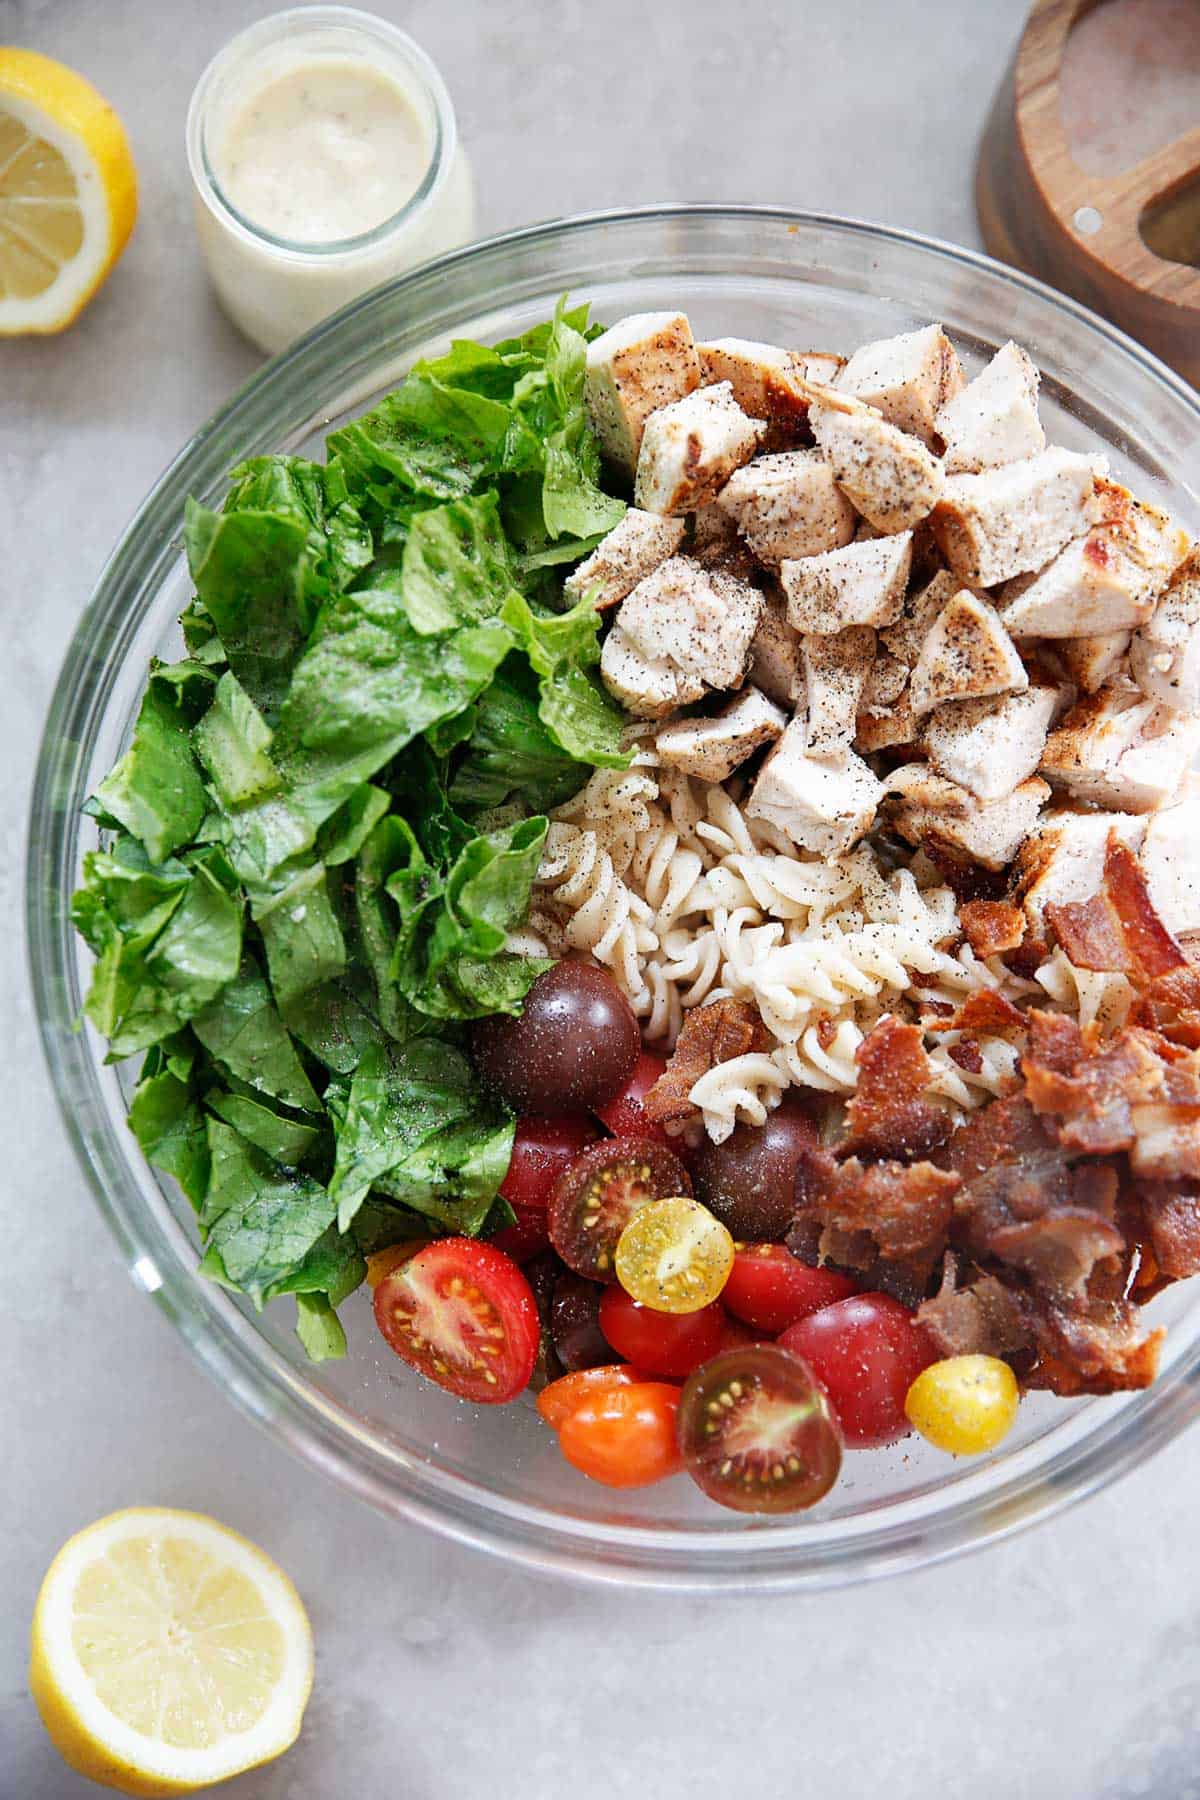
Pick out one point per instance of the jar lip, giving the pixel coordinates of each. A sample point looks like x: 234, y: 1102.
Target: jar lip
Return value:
x: 278, y: 27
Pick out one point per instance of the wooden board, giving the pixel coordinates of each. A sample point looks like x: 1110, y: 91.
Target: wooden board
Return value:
x: 1086, y: 232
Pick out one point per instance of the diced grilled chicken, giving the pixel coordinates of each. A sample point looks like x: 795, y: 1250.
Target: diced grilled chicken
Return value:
x: 775, y: 662
x: 1011, y: 520
x: 835, y: 677
x: 905, y: 639
x: 1170, y: 856
x: 1089, y: 662
x: 691, y: 448
x: 1119, y: 750
x: 908, y: 378
x: 789, y: 506
x: 925, y: 805
x: 1104, y: 582
x: 1063, y: 861
x: 638, y: 365
x: 820, y: 366
x: 967, y: 655
x: 698, y: 618
x: 1165, y: 654
x: 764, y: 380
x: 648, y: 687
x: 990, y: 746
x: 994, y: 419
x: 822, y: 806
x: 885, y: 727
x: 890, y: 476
x: 638, y: 544
x: 713, y: 748
x: 860, y: 584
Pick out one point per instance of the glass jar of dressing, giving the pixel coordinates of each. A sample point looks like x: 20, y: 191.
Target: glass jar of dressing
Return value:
x: 325, y: 157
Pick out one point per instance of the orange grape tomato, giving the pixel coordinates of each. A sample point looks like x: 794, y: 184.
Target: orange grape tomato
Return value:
x: 624, y: 1437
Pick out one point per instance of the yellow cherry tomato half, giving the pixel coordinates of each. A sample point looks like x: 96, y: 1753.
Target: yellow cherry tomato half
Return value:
x: 673, y: 1256
x: 966, y: 1404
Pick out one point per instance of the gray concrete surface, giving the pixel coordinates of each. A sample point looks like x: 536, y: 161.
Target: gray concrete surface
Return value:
x: 1064, y: 1664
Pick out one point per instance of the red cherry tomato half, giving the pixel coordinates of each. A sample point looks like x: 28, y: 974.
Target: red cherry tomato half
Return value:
x: 596, y: 1197
x: 624, y: 1114
x: 757, y: 1433
x: 866, y: 1352
x: 562, y: 1397
x: 624, y: 1436
x: 670, y: 1344
x: 542, y: 1149
x: 770, y: 1288
x: 462, y: 1313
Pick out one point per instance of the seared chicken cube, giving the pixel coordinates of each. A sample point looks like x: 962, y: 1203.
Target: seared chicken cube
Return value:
x: 1119, y: 750
x: 905, y: 639
x: 638, y: 544
x: 924, y: 805
x: 1091, y: 661
x: 967, y: 654
x: 713, y: 748
x: 698, y: 618
x: 775, y: 661
x: 886, y: 681
x: 648, y: 687
x: 835, y: 676
x: 637, y: 365
x: 1011, y: 520
x: 822, y: 806
x: 891, y: 477
x: 1170, y: 856
x: 1104, y: 582
x: 1165, y: 654
x: 1063, y: 861
x: 789, y: 506
x: 990, y: 746
x: 885, y: 727
x: 765, y: 380
x: 819, y: 366
x: 860, y: 584
x: 908, y: 378
x: 691, y: 448
x: 994, y: 420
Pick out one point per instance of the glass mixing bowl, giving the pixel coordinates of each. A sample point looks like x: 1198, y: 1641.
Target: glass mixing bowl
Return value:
x: 493, y: 1476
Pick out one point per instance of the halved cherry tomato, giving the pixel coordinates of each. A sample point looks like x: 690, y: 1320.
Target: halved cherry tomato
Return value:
x: 866, y: 1352
x: 380, y: 1263
x: 624, y: 1436
x: 670, y: 1344
x: 542, y: 1149
x: 770, y: 1288
x: 624, y: 1114
x: 674, y: 1256
x: 757, y: 1433
x: 562, y: 1397
x: 594, y: 1200
x: 462, y: 1313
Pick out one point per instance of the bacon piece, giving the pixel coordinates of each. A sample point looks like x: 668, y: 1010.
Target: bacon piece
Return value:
x: 888, y: 1221
x: 1092, y: 1350
x: 711, y: 1034
x: 1171, y: 1007
x: 966, y: 880
x: 1028, y: 958
x: 1167, y: 1127
x: 992, y: 926
x: 967, y: 1054
x: 1055, y: 1042
x: 888, y: 1114
x: 985, y: 1012
x: 1171, y: 1212
x: 1094, y: 1103
x: 1117, y: 928
x: 980, y: 1318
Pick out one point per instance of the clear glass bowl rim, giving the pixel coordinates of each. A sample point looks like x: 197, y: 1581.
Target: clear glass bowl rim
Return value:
x: 265, y: 1386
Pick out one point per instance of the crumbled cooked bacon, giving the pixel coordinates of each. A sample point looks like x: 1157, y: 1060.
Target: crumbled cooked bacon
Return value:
x: 1094, y: 1103
x: 1092, y: 1350
x: 988, y: 1013
x: 1171, y: 1006
x: 981, y: 1318
x: 711, y: 1034
x: 1117, y: 928
x: 888, y: 1115
x: 966, y: 880
x: 1167, y: 1127
x: 967, y: 1054
x: 1171, y: 1214
x: 888, y: 1221
x: 1028, y: 958
x: 1055, y: 1042
x: 992, y: 926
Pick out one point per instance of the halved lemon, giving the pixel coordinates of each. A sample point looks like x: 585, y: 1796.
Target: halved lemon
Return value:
x: 167, y: 1653
x: 68, y: 192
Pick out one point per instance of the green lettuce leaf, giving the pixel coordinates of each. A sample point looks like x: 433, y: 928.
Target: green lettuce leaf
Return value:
x: 232, y: 741
x: 167, y: 1120
x: 259, y: 1220
x: 243, y: 1032
x: 301, y: 935
x: 456, y: 568
x: 156, y: 791
x: 510, y: 754
x: 319, y: 1328
x: 574, y: 708
x: 283, y: 1139
x: 419, y: 1127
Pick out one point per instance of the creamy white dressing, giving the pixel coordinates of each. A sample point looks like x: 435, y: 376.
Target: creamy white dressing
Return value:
x: 324, y: 152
